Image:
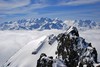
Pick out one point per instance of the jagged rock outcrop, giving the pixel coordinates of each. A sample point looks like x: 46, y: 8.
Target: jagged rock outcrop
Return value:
x: 72, y: 51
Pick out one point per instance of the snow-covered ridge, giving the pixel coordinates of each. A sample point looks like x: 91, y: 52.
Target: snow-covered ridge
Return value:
x: 26, y: 52
x: 26, y: 58
x: 47, y: 23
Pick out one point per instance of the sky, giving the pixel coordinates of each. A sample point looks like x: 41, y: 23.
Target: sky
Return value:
x: 12, y: 10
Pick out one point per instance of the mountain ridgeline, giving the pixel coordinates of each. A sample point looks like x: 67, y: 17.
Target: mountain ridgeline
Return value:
x: 58, y: 49
x: 72, y: 51
x: 47, y: 23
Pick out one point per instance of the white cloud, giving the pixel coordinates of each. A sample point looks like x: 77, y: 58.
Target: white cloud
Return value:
x: 13, y: 4
x: 10, y: 4
x: 11, y: 7
x: 79, y: 2
x: 24, y: 6
x: 22, y: 10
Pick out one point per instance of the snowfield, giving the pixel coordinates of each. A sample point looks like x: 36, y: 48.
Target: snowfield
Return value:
x: 16, y: 47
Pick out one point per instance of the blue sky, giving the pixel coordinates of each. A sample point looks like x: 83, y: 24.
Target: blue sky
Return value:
x: 63, y: 9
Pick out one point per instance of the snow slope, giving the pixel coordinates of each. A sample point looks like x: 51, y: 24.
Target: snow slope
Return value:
x: 25, y: 58
x: 11, y: 42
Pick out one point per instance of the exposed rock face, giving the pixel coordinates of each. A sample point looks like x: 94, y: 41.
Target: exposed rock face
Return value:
x: 72, y: 51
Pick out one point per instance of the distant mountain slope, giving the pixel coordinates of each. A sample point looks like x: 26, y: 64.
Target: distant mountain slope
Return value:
x: 83, y: 24
x: 47, y: 23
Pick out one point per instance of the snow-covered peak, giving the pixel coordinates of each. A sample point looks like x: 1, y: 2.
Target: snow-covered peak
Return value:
x: 47, y: 23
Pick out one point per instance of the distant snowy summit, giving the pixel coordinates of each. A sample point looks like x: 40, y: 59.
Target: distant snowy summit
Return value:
x: 47, y: 23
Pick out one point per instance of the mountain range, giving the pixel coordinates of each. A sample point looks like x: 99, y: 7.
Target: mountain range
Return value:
x: 47, y: 23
